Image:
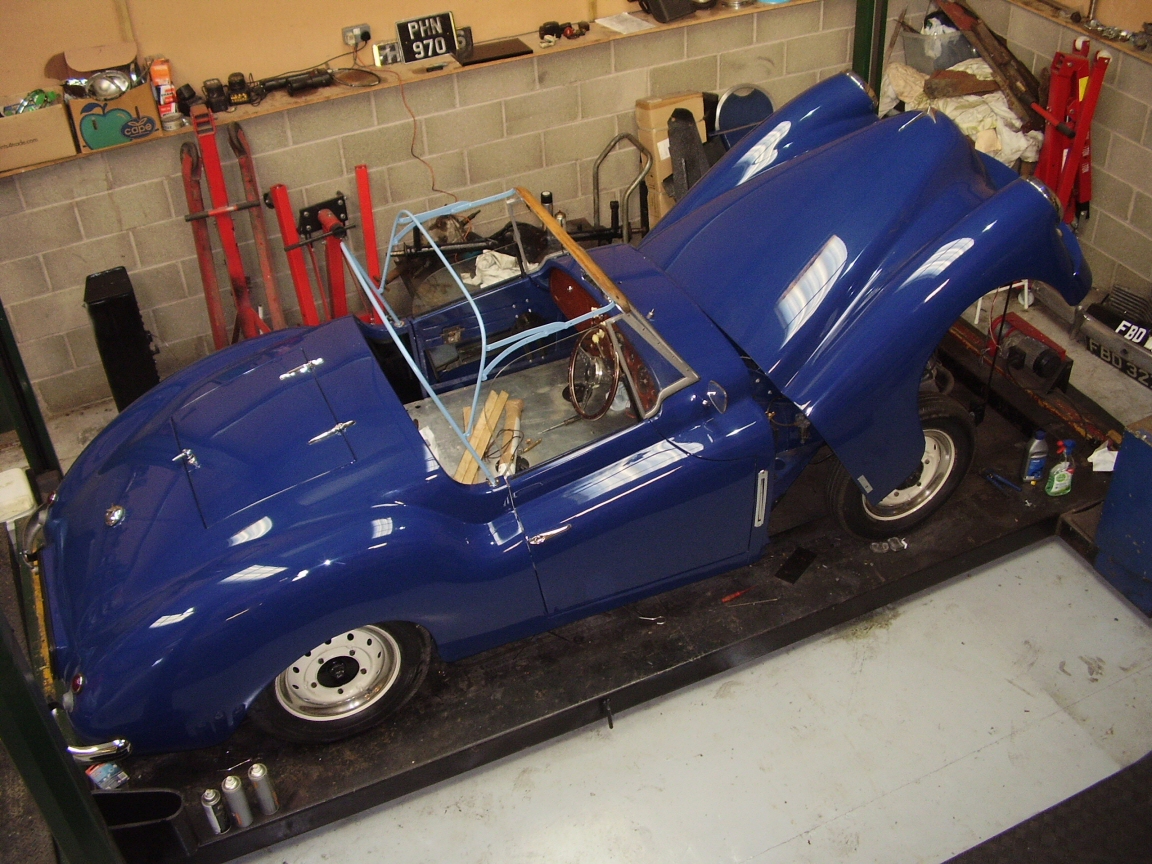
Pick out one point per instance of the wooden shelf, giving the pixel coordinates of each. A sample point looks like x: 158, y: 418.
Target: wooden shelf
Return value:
x: 1050, y: 13
x: 412, y: 73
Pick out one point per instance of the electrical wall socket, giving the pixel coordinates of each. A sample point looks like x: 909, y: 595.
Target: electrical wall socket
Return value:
x: 356, y: 35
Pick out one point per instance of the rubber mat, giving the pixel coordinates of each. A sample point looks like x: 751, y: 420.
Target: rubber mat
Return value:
x: 1109, y: 823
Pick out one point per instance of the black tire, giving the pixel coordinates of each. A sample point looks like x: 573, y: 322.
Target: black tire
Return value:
x: 346, y: 685
x: 949, y: 442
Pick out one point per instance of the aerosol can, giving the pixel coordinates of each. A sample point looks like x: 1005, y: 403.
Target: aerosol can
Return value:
x: 1035, y: 459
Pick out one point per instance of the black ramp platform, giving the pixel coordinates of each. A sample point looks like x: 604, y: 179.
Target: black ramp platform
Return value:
x: 469, y: 713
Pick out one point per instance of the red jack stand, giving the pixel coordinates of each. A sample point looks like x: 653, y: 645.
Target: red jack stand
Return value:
x: 1066, y: 158
x: 248, y: 323
x: 333, y: 228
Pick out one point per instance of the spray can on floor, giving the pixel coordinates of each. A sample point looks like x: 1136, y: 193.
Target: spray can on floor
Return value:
x: 1060, y: 477
x: 1035, y: 458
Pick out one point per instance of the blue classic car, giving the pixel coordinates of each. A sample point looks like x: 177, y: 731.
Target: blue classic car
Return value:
x: 289, y: 528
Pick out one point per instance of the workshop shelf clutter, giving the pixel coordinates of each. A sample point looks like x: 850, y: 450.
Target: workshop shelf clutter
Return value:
x: 538, y: 121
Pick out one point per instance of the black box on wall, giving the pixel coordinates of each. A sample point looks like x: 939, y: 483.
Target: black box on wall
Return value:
x: 125, y: 346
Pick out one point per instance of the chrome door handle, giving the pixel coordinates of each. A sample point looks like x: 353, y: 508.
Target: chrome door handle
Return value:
x: 302, y: 369
x: 335, y: 430
x: 537, y: 539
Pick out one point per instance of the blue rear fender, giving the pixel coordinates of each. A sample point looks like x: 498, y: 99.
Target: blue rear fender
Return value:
x: 867, y: 409
x: 840, y: 270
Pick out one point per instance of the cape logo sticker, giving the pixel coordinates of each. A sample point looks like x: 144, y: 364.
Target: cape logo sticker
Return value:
x: 101, y: 128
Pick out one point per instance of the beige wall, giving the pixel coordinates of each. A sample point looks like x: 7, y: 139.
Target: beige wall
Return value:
x: 537, y: 122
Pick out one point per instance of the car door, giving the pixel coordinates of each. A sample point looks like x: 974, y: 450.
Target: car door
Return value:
x: 628, y: 511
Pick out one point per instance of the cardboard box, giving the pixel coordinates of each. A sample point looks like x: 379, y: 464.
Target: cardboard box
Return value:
x: 658, y: 203
x: 34, y: 136
x: 652, y: 117
x: 131, y: 117
x: 653, y: 113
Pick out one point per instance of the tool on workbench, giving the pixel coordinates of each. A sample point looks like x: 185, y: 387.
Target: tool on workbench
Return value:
x: 1065, y: 164
x: 1000, y: 482
x: 207, y: 162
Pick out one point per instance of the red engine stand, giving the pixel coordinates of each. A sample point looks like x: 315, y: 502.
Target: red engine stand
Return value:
x: 1066, y: 157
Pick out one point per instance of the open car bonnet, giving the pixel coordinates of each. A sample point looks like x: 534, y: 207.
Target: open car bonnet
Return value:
x: 842, y: 305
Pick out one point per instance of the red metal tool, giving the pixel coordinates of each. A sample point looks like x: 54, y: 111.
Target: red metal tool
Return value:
x: 368, y: 222
x: 334, y: 231
x: 248, y: 323
x: 1065, y: 163
x: 190, y: 168
x: 238, y: 141
x: 294, y: 250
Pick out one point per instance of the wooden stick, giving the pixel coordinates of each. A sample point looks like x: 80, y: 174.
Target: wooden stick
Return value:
x: 481, y: 436
x: 511, y: 431
x: 489, y: 421
x: 461, y: 469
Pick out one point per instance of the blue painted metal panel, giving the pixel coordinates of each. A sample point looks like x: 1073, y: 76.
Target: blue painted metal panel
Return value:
x: 823, y: 299
x: 1125, y: 557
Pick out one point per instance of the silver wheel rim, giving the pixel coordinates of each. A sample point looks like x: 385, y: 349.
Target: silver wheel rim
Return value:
x: 340, y: 677
x: 935, y: 468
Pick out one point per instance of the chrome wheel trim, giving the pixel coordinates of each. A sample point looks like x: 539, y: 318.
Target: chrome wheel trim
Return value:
x: 935, y: 467
x: 305, y: 689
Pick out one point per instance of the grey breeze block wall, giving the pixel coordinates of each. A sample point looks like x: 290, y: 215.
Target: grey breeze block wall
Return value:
x: 536, y: 122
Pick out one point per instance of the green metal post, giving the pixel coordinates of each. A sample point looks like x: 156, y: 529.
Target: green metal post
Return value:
x: 868, y: 44
x: 37, y: 748
x: 20, y: 400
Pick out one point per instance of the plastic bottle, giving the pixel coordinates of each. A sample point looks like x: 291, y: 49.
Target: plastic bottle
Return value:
x: 1060, y: 477
x: 1036, y: 458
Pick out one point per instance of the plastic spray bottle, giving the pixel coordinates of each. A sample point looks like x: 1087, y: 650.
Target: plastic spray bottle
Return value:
x: 1060, y: 477
x: 1036, y: 458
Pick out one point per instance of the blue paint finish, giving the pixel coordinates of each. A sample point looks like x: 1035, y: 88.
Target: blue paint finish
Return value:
x: 223, y: 574
x: 826, y: 314
x: 830, y: 110
x: 1124, y: 558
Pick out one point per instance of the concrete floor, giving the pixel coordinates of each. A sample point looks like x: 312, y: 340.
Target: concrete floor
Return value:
x: 911, y: 735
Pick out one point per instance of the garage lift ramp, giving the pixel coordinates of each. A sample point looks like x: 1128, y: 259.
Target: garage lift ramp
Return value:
x: 812, y: 577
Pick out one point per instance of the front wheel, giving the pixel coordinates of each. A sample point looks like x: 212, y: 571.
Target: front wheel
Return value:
x: 346, y: 684
x: 949, y: 442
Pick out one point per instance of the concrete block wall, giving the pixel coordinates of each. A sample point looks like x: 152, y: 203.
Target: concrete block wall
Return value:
x: 537, y: 122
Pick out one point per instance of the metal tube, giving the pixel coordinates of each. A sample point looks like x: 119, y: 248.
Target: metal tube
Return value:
x: 215, y: 811
x: 265, y: 791
x: 237, y: 800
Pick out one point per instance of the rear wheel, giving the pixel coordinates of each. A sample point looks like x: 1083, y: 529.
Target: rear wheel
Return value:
x: 949, y: 441
x: 346, y: 684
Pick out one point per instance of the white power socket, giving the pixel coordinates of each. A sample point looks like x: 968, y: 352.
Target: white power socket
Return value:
x: 356, y: 35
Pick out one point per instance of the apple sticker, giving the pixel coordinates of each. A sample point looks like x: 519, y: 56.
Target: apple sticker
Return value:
x: 101, y: 128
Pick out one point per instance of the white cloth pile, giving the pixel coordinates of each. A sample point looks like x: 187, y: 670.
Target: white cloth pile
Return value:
x: 985, y: 118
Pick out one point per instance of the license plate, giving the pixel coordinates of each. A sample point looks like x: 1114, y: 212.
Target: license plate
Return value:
x: 427, y: 37
x: 1119, y: 361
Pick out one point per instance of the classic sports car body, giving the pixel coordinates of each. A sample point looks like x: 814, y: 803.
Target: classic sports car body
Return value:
x: 268, y: 532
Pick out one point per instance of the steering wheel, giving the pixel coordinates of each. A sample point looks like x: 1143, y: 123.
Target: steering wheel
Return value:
x: 593, y: 373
